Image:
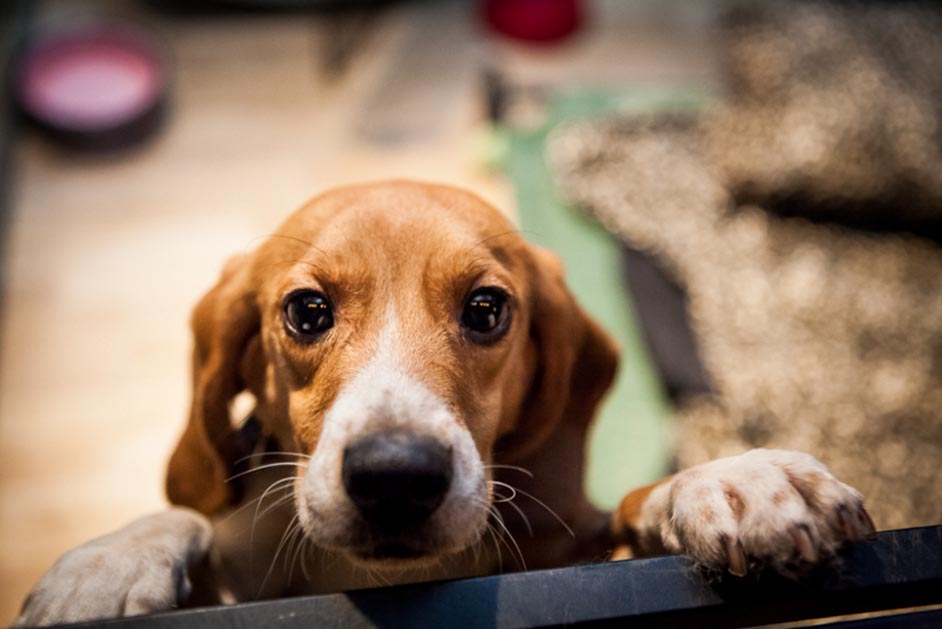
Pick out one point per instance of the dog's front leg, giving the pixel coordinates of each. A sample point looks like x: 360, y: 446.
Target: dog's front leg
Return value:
x: 138, y: 569
x: 762, y: 507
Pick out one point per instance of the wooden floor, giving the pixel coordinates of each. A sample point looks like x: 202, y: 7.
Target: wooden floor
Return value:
x: 106, y: 256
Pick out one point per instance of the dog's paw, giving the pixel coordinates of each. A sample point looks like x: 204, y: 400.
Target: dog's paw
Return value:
x: 762, y: 507
x: 139, y: 569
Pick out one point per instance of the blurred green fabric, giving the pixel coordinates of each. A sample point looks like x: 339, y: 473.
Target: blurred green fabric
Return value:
x: 629, y: 444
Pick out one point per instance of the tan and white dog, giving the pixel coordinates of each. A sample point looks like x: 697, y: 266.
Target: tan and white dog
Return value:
x: 423, y: 383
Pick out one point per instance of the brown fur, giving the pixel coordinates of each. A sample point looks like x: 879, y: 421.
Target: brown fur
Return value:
x: 427, y: 246
x: 398, y: 261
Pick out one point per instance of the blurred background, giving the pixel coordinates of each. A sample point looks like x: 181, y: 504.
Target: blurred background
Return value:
x: 748, y: 195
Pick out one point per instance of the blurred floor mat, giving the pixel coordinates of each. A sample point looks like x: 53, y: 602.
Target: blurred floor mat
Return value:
x: 835, y: 111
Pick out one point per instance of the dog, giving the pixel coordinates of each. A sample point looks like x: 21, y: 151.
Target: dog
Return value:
x: 423, y: 382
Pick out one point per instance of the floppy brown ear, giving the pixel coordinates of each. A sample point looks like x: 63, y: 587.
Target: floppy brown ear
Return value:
x: 224, y: 323
x: 575, y: 365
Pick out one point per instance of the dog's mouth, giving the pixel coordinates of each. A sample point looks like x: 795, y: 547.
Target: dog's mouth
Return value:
x: 377, y: 548
x: 392, y: 552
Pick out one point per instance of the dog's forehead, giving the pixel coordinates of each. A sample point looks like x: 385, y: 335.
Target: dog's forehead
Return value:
x: 401, y: 207
x: 398, y: 224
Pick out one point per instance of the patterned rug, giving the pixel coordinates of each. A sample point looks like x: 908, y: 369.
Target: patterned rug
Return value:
x: 816, y: 337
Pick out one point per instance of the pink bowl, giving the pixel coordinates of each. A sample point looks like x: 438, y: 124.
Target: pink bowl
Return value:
x: 96, y: 85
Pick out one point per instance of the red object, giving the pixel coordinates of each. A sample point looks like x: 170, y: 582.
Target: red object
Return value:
x: 97, y: 84
x: 534, y: 20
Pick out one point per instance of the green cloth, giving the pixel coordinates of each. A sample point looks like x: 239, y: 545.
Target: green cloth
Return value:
x: 629, y: 445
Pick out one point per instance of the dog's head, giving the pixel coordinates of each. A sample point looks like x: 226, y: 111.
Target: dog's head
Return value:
x: 403, y: 336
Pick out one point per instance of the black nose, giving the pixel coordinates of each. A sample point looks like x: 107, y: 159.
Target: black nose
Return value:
x: 396, y: 479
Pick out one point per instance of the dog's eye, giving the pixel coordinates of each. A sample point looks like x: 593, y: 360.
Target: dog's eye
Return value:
x: 485, y: 314
x: 307, y: 314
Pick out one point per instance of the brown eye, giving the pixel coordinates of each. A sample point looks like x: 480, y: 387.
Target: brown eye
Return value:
x: 308, y: 314
x: 486, y: 314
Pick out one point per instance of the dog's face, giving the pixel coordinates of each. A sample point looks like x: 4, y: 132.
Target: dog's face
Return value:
x: 400, y: 335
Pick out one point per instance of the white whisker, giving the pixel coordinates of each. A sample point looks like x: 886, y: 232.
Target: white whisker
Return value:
x: 539, y: 502
x: 294, y: 550
x: 306, y: 543
x: 516, y: 468
x: 280, y: 485
x: 500, y: 557
x: 247, y: 504
x: 274, y: 559
x: 261, y: 454
x: 502, y: 499
x: 522, y: 515
x: 500, y: 521
x: 265, y: 467
x: 276, y: 504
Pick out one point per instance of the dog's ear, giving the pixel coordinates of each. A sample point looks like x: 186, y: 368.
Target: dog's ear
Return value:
x: 225, y: 323
x: 575, y: 360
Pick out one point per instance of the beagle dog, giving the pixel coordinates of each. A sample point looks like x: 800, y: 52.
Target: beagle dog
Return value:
x: 423, y: 382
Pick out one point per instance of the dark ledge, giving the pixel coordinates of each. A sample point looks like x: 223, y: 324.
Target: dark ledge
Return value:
x: 901, y: 569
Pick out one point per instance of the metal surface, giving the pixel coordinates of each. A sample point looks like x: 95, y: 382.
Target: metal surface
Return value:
x: 900, y: 569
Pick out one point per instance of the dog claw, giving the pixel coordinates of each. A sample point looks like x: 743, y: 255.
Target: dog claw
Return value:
x: 803, y: 543
x: 847, y: 525
x: 736, y: 558
x: 869, y: 527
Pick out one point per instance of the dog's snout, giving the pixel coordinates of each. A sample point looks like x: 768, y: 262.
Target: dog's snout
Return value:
x: 396, y: 479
